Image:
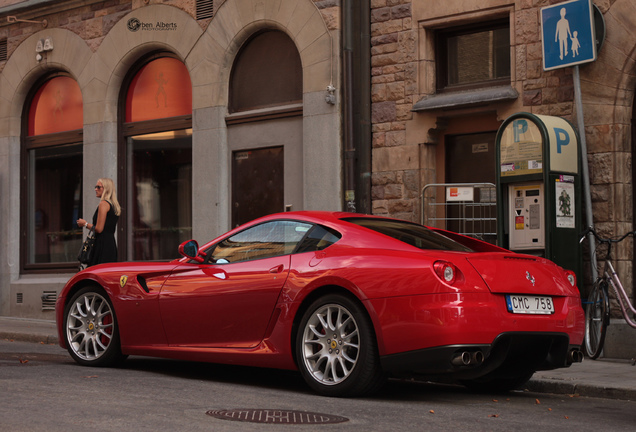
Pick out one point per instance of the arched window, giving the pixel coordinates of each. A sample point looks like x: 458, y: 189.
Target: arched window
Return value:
x: 265, y: 127
x: 156, y: 159
x: 267, y: 72
x: 52, y: 160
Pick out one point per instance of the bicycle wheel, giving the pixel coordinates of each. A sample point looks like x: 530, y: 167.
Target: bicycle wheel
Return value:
x: 596, y: 319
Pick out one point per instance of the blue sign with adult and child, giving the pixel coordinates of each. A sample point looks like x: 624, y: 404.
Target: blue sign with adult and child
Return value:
x: 568, y: 36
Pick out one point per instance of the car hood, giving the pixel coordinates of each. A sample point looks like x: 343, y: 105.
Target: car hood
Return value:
x: 521, y: 274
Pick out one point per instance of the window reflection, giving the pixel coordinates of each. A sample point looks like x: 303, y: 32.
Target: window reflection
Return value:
x: 55, y: 201
x: 262, y: 241
x: 160, y: 205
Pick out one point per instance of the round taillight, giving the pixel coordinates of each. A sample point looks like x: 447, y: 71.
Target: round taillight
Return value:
x: 449, y: 274
x: 445, y: 271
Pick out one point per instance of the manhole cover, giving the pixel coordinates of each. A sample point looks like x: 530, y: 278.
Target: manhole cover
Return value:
x: 273, y: 416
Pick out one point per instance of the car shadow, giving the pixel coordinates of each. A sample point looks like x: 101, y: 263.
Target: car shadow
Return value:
x: 220, y: 373
x: 278, y: 379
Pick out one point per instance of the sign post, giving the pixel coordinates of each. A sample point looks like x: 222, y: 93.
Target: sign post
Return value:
x: 568, y: 38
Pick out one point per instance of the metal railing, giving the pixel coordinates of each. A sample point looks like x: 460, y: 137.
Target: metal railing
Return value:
x: 465, y: 208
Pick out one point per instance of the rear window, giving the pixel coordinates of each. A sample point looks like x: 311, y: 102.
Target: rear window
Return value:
x: 410, y: 233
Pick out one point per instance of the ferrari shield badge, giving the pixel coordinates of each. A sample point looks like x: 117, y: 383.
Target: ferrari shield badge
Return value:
x: 123, y: 280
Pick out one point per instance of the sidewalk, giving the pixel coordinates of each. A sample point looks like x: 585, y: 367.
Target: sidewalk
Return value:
x: 606, y: 378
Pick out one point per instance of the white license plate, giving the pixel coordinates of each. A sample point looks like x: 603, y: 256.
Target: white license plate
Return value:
x: 525, y: 304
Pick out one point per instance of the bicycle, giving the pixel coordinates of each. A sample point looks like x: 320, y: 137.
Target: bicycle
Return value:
x: 597, y: 314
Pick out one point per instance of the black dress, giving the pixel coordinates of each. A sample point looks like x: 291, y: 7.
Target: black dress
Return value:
x: 105, y: 245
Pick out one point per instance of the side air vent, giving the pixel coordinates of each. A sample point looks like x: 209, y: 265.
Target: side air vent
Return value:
x: 143, y: 284
x: 205, y: 9
x: 48, y: 300
x: 19, y: 298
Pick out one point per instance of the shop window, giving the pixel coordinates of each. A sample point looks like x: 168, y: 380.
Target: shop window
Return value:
x: 52, y: 160
x: 267, y: 72
x: 473, y: 56
x: 156, y: 160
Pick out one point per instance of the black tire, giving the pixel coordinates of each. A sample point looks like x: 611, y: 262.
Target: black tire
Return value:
x: 499, y: 385
x: 336, y: 348
x: 90, y: 329
x: 596, y: 319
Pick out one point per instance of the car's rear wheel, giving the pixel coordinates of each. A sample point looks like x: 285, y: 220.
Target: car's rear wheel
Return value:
x: 90, y: 329
x: 336, y: 349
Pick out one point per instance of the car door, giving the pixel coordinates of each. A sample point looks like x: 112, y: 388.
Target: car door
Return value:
x: 228, y: 303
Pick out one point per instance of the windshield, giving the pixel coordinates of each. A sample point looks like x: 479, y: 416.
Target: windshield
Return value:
x: 410, y: 233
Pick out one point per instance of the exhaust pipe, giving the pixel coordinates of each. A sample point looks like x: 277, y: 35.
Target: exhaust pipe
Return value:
x: 477, y: 358
x: 461, y: 359
x: 575, y: 356
x: 467, y: 358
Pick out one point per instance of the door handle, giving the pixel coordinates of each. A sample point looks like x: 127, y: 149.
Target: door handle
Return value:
x: 277, y: 269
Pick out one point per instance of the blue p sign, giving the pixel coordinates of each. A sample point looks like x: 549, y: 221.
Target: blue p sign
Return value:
x: 562, y: 138
x: 520, y: 127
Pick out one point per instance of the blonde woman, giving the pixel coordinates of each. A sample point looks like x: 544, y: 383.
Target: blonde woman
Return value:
x: 104, y: 222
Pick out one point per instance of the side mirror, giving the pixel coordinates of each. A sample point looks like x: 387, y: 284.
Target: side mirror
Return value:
x: 190, y: 249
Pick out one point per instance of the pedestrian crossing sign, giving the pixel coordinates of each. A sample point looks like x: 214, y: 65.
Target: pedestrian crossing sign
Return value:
x: 567, y: 33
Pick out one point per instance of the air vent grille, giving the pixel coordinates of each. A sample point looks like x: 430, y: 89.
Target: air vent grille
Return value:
x: 48, y: 300
x: 3, y: 49
x: 520, y: 258
x: 205, y: 9
x: 19, y: 298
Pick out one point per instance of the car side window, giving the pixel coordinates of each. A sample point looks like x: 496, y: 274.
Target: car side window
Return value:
x: 266, y: 240
x: 318, y: 239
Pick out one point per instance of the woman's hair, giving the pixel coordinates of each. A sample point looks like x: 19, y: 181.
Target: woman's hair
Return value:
x: 110, y: 194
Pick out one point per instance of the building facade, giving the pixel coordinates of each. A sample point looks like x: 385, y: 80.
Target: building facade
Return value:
x: 208, y: 113
x: 445, y: 75
x: 205, y: 114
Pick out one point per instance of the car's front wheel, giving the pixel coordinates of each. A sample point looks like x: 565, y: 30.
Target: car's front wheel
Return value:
x: 90, y: 329
x: 336, y: 349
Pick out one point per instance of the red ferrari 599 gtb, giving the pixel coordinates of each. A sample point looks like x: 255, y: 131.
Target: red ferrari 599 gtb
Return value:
x: 347, y: 299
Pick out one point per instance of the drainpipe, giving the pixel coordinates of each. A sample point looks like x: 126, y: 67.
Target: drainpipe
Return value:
x: 356, y: 51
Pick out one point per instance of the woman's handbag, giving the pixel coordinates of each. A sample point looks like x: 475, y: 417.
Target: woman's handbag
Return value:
x: 87, y: 250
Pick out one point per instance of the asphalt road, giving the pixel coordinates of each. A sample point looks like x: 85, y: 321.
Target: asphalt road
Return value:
x: 42, y: 389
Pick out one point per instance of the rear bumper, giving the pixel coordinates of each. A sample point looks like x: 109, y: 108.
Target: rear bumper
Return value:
x: 509, y: 354
x: 413, y: 323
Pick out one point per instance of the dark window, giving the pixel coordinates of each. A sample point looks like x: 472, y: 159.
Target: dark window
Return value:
x: 473, y: 56
x: 409, y: 233
x: 159, y: 193
x: 156, y: 159
x: 267, y: 72
x: 52, y: 163
x: 317, y: 239
x: 261, y: 241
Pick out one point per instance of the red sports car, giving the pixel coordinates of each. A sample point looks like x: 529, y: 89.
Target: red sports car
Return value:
x: 347, y: 299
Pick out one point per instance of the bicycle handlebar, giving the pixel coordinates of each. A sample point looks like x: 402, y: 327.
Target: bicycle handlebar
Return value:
x: 605, y: 240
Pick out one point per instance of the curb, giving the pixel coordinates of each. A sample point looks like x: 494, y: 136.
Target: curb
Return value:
x: 587, y: 390
x: 26, y: 337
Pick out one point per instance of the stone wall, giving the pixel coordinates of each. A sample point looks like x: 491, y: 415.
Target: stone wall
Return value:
x: 395, y: 181
x: 402, y: 73
x: 408, y: 147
